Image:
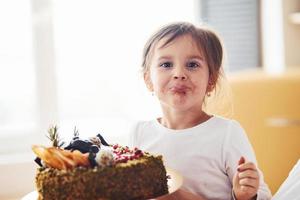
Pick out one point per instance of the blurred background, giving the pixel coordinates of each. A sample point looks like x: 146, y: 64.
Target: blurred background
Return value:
x: 77, y: 63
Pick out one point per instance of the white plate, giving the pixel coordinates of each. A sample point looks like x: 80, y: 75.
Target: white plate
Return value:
x: 175, y: 181
x: 174, y: 184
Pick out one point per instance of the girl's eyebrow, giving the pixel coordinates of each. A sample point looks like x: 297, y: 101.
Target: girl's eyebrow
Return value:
x: 190, y: 57
x: 164, y: 57
x: 196, y: 57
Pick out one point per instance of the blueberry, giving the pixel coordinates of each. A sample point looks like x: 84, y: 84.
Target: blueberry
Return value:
x: 79, y: 145
x: 94, y: 149
x: 38, y: 161
x: 70, y: 146
x: 102, y: 140
x: 88, y: 142
x: 92, y: 160
x: 82, y: 146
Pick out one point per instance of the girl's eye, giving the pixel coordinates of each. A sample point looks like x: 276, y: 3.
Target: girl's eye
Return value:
x: 192, y: 65
x: 166, y: 65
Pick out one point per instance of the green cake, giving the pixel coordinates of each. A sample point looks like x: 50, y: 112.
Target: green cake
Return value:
x: 81, y: 171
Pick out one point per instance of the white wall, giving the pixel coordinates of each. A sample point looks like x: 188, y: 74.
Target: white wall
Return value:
x: 291, y: 33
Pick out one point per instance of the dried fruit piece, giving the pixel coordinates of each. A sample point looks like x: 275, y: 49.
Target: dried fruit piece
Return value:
x: 59, y: 158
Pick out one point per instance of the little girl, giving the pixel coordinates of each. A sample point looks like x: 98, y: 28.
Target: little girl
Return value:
x: 181, y: 66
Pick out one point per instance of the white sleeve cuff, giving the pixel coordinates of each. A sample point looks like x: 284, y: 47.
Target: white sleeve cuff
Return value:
x: 234, y: 198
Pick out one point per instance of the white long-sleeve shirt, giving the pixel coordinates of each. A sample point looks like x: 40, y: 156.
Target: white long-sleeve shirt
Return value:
x: 206, y: 155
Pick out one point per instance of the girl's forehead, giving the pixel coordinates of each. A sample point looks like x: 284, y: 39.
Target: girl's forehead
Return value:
x: 184, y: 41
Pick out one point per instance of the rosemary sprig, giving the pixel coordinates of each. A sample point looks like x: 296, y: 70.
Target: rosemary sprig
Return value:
x: 76, y: 133
x: 54, y: 137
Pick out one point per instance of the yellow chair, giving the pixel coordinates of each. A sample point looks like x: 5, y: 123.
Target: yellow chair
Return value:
x: 268, y: 107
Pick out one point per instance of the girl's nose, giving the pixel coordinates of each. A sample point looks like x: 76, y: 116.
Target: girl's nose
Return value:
x: 180, y: 75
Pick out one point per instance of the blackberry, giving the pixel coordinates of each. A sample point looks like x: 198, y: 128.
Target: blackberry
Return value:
x: 79, y: 145
x: 94, y: 149
x: 92, y: 159
x: 38, y: 161
x: 102, y: 140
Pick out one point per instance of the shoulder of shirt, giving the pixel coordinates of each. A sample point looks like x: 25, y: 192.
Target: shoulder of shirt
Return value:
x: 233, y: 128
x: 226, y: 121
x: 137, y: 126
x: 234, y: 132
x: 143, y: 123
x: 136, y: 132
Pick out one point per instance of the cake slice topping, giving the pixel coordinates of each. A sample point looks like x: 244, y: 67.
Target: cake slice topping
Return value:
x: 60, y: 159
x: 92, y: 152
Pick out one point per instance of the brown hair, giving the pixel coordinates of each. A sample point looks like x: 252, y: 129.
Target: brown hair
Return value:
x: 206, y: 40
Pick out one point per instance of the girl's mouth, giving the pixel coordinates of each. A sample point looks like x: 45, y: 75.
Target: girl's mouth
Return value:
x: 179, y: 89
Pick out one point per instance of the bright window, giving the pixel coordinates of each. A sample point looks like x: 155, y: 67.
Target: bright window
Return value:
x: 18, y: 111
x: 98, y: 56
x: 76, y: 63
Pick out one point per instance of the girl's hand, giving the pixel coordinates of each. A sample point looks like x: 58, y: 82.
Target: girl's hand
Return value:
x: 245, y: 180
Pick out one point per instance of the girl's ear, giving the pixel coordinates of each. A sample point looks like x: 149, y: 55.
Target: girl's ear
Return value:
x: 210, y: 84
x: 148, y: 81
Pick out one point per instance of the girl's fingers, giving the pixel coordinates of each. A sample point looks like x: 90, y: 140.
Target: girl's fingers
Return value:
x: 248, y: 189
x: 250, y: 182
x: 247, y: 177
x: 248, y: 174
x: 246, y: 166
x: 242, y: 160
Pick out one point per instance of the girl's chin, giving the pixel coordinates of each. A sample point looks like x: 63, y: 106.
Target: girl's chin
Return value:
x: 184, y: 105
x: 178, y: 102
x: 181, y: 105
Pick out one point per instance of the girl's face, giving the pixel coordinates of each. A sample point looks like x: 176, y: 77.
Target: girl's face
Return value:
x: 178, y: 74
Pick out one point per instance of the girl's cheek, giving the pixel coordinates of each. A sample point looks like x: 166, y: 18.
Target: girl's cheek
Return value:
x: 155, y: 77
